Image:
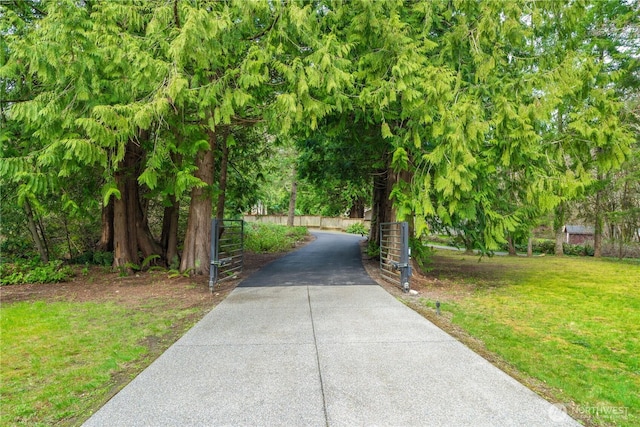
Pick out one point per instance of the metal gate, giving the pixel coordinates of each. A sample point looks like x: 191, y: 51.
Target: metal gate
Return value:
x: 227, y: 249
x: 395, y: 253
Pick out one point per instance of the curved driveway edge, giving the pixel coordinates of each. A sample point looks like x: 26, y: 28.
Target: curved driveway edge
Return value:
x: 309, y: 355
x: 331, y: 259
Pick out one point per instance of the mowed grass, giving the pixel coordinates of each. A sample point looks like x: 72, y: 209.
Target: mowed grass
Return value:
x: 573, y: 323
x: 57, y: 359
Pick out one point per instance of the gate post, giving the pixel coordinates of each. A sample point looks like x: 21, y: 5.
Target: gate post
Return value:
x: 213, y: 266
x: 405, y: 254
x: 395, y: 254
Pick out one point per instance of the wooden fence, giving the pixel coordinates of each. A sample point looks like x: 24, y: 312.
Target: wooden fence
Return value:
x: 310, y: 221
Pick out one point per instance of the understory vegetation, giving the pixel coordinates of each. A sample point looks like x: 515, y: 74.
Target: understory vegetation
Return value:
x: 572, y: 323
x: 612, y: 249
x: 267, y: 238
x: 259, y: 238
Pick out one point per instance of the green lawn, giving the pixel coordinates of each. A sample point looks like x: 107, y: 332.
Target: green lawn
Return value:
x: 572, y: 323
x: 58, y: 359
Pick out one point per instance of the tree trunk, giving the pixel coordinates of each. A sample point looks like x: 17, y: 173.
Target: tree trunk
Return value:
x: 65, y: 224
x: 131, y: 232
x: 511, y: 245
x: 125, y: 247
x: 558, y: 224
x: 530, y: 247
x: 379, y: 186
x: 382, y: 207
x: 169, y: 238
x: 406, y: 177
x: 292, y: 199
x: 468, y: 243
x: 33, y: 229
x: 222, y: 195
x: 597, y: 236
x: 195, y: 257
x: 122, y: 250
x: 106, y: 239
x: 357, y: 208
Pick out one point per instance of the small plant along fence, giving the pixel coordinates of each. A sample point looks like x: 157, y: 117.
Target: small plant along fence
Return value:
x: 395, y: 254
x: 227, y: 249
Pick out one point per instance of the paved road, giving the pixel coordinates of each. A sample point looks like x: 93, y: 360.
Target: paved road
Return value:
x: 332, y: 259
x: 310, y: 340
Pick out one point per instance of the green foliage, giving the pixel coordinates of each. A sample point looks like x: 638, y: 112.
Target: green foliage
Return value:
x: 373, y: 249
x: 267, y: 238
x: 490, y: 113
x: 34, y: 272
x: 421, y: 253
x: 16, y: 247
x: 357, y: 228
x: 101, y: 258
x: 335, y: 165
x: 148, y: 260
x: 547, y: 247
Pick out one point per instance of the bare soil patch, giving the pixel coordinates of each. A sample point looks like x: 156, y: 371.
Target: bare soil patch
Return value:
x: 100, y: 284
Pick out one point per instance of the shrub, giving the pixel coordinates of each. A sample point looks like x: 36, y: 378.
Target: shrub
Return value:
x: 104, y: 259
x: 421, y: 253
x: 265, y: 238
x: 373, y: 249
x: 13, y: 247
x: 544, y: 246
x: 357, y: 228
x: 33, y: 272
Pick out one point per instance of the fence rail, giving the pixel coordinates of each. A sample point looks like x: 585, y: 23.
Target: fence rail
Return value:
x: 310, y: 221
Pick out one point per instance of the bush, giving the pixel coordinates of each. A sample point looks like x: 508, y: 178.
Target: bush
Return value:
x: 104, y: 259
x: 373, y: 249
x: 267, y: 238
x: 421, y: 253
x: 543, y: 246
x: 14, y: 247
x: 33, y: 272
x: 357, y: 228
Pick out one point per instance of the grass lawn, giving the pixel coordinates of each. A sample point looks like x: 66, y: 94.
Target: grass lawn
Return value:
x: 572, y: 323
x: 58, y: 358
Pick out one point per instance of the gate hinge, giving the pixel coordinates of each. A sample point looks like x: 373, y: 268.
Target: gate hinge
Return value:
x: 221, y: 262
x: 398, y: 265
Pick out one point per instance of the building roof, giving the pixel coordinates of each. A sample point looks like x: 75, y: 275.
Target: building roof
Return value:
x: 578, y: 229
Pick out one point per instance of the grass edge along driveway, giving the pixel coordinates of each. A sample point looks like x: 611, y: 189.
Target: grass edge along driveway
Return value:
x: 571, y: 323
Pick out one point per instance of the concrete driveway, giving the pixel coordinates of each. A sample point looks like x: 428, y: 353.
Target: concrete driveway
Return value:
x: 311, y: 340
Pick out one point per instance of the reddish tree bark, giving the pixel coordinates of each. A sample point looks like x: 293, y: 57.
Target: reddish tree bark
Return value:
x: 382, y: 208
x: 357, y: 209
x: 195, y: 257
x: 106, y: 239
x: 511, y: 245
x: 131, y: 234
x: 169, y: 238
